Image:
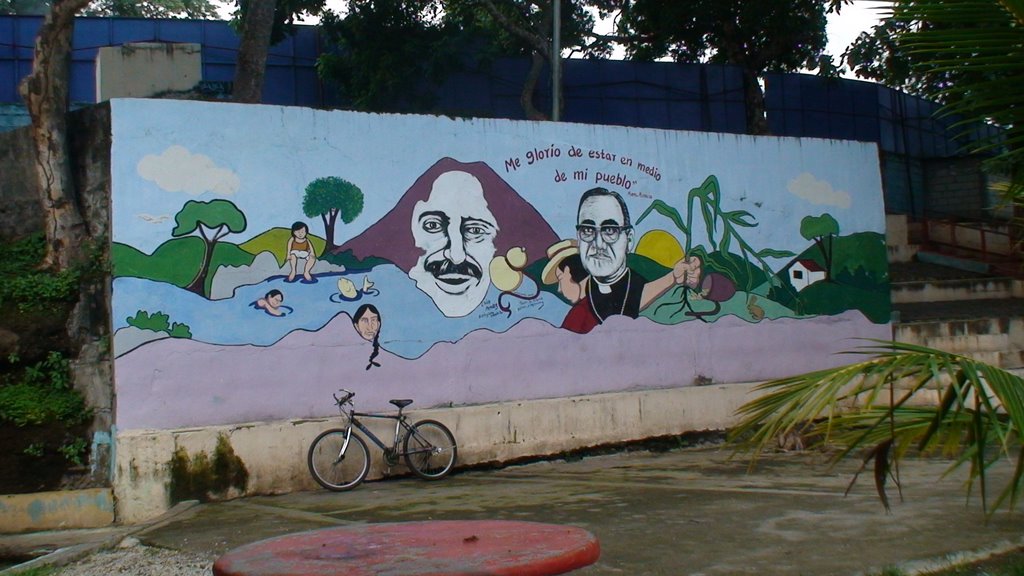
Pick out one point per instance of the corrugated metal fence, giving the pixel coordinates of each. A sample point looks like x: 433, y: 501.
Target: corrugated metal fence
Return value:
x: 644, y: 94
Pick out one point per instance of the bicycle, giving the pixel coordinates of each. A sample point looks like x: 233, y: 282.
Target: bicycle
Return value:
x: 339, y: 460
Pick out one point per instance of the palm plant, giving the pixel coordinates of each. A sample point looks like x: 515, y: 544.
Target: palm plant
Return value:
x: 905, y: 397
x: 976, y: 48
x: 977, y: 409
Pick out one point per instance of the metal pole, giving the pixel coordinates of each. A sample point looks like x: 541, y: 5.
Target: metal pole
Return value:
x: 556, y: 59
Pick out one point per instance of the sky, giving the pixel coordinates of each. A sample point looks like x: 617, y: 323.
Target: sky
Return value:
x: 843, y: 28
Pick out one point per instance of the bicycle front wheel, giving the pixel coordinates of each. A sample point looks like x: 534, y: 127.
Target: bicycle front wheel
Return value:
x: 430, y: 450
x: 336, y: 466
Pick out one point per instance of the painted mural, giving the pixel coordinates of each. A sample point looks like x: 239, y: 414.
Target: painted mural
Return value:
x: 266, y: 256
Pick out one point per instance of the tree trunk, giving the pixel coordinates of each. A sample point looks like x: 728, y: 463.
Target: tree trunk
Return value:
x: 330, y: 219
x: 753, y: 101
x: 530, y: 86
x: 198, y: 284
x: 46, y: 96
x: 257, y: 26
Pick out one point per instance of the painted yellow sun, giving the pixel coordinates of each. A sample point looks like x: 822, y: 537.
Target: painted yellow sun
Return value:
x: 661, y: 247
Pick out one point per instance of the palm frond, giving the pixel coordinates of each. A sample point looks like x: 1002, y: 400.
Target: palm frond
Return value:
x: 909, y: 396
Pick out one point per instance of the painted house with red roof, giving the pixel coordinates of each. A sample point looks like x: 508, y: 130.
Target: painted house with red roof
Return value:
x: 805, y: 272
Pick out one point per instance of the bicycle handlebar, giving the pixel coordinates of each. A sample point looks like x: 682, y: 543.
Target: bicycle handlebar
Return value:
x: 346, y: 397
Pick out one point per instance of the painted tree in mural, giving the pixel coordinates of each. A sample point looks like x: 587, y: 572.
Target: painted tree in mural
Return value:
x: 329, y: 198
x: 212, y: 220
x: 823, y: 231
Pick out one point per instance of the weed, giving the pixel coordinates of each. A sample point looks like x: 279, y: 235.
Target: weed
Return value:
x: 35, y: 449
x: 74, y: 451
x: 43, y: 393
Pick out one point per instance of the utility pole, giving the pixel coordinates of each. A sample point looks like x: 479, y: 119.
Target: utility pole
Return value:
x: 556, y: 59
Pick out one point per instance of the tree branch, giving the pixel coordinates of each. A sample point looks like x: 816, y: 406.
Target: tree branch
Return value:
x: 538, y: 44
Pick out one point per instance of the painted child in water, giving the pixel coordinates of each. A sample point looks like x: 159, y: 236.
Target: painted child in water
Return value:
x: 299, y: 247
x: 271, y: 303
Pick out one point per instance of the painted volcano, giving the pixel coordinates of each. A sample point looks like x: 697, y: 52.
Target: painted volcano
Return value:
x: 519, y: 223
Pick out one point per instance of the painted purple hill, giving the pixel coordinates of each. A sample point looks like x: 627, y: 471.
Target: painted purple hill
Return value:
x: 519, y: 223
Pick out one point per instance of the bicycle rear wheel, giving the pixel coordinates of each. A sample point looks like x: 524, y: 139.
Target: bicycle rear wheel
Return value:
x: 334, y: 469
x: 430, y: 449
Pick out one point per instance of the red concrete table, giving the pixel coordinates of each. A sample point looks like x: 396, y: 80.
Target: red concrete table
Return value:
x: 449, y: 548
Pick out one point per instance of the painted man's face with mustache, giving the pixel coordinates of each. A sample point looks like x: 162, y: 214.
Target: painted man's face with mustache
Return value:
x: 456, y: 232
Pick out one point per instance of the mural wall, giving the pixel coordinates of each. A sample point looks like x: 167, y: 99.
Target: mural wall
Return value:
x: 266, y: 256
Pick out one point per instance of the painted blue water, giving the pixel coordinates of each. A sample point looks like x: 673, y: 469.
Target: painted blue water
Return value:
x: 410, y: 322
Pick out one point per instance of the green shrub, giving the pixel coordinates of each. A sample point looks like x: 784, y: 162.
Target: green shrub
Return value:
x: 43, y: 393
x: 27, y: 287
x: 74, y: 451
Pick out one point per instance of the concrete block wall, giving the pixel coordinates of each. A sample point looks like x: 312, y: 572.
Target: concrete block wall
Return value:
x: 956, y: 186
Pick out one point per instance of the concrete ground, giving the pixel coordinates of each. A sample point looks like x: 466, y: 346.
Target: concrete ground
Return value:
x: 687, y: 511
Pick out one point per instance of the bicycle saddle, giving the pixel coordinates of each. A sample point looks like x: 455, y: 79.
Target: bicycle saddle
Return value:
x: 401, y: 403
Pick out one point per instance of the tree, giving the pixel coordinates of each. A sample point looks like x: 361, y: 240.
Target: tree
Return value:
x: 46, y: 94
x: 195, y: 9
x: 526, y: 27
x: 758, y: 37
x: 212, y: 220
x: 823, y: 231
x: 257, y: 24
x: 262, y: 23
x: 389, y: 55
x: 979, y: 43
x: 330, y: 197
x: 25, y: 7
x: 121, y: 8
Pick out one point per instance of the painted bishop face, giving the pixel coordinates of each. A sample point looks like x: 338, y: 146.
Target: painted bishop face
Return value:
x: 455, y: 230
x: 605, y: 237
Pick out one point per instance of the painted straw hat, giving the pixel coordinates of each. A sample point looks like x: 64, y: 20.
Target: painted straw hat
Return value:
x: 558, y: 252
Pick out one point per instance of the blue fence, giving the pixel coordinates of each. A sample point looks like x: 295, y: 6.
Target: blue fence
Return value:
x: 644, y: 94
x: 290, y: 78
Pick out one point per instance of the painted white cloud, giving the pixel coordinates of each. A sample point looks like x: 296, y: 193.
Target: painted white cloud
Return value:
x: 816, y: 191
x: 178, y: 170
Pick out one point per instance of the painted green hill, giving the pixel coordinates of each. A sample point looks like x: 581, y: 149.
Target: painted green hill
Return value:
x: 860, y: 279
x: 175, y: 261
x: 275, y: 241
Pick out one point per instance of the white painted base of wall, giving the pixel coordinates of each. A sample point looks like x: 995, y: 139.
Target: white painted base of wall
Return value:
x: 275, y: 452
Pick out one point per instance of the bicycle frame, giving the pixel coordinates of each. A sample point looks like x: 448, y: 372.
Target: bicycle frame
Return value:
x: 400, y: 424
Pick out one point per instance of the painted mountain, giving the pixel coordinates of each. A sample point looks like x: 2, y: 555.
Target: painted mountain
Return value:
x: 519, y: 223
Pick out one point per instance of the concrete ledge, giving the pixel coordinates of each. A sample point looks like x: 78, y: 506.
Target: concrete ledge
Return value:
x: 91, y: 508
x: 274, y: 453
x: 954, y: 290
